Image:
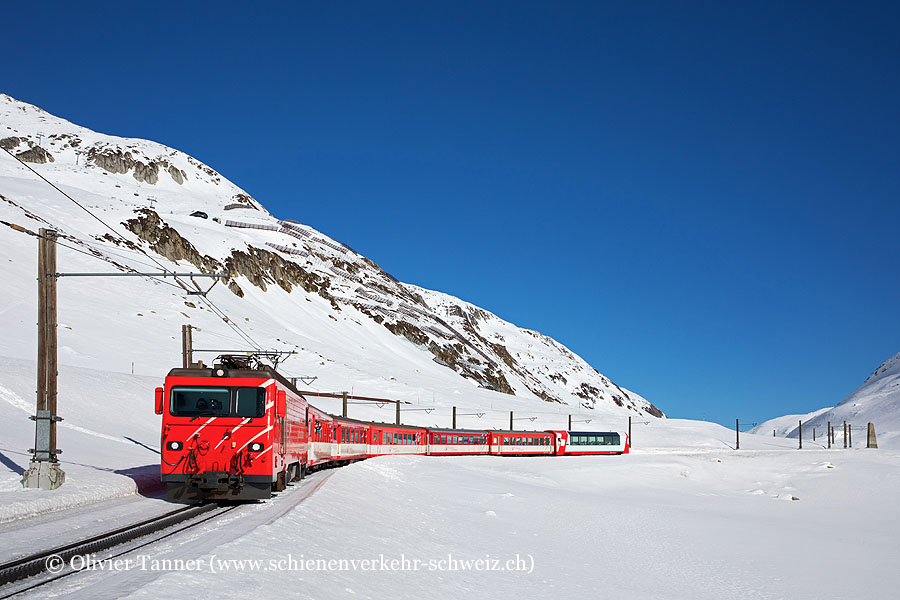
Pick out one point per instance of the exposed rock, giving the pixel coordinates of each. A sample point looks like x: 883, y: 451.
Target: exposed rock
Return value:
x: 177, y: 174
x: 11, y: 143
x: 167, y: 242
x: 503, y: 353
x: 409, y: 331
x: 35, y: 154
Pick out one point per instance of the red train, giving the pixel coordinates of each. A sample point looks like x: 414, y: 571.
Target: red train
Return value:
x: 241, y: 431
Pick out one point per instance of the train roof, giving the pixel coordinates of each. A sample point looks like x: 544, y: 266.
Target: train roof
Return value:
x: 436, y: 430
x: 349, y: 420
x: 521, y: 432
x: 395, y: 426
x: 263, y: 373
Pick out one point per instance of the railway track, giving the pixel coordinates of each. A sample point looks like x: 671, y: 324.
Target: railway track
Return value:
x: 53, y: 564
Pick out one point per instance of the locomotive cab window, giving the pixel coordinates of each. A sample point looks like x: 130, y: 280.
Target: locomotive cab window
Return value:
x: 250, y: 402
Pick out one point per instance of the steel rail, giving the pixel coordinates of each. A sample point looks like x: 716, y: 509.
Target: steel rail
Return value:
x: 38, y: 563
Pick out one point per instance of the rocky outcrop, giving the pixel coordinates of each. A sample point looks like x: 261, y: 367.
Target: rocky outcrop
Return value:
x: 122, y: 162
x: 11, y: 143
x: 35, y: 154
x: 167, y: 242
x: 176, y: 174
x: 261, y: 267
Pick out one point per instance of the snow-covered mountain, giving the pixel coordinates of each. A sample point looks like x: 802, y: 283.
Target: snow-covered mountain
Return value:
x: 354, y: 325
x: 876, y: 401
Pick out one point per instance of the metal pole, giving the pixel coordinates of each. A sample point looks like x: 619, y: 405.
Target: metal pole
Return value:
x: 630, y: 440
x: 814, y: 434
x: 800, y: 436
x: 510, y: 420
x: 828, y: 434
x: 454, y: 418
x: 850, y: 435
x: 570, y: 422
x: 737, y: 434
x: 845, y: 434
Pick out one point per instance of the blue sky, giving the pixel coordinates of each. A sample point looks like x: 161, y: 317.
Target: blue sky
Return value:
x: 700, y: 198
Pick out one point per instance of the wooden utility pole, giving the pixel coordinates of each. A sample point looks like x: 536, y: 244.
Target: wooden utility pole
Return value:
x: 187, y: 347
x: 344, y: 405
x: 454, y: 418
x: 44, y: 471
x: 397, y: 419
x: 800, y: 434
x: 570, y: 422
x: 510, y: 420
x: 737, y: 434
x: 850, y: 435
x: 630, y: 441
x: 845, y: 434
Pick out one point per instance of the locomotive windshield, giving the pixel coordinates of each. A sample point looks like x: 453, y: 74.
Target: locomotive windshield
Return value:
x: 218, y: 402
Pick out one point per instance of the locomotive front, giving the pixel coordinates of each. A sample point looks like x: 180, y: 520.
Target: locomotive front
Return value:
x: 217, y: 433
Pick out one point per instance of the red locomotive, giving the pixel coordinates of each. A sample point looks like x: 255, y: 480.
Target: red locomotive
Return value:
x: 235, y: 431
x: 239, y: 431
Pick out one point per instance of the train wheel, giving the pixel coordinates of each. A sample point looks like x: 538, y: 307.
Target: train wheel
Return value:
x: 279, y: 484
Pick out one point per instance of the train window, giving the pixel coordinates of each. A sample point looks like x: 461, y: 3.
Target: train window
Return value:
x: 250, y: 402
x: 201, y: 402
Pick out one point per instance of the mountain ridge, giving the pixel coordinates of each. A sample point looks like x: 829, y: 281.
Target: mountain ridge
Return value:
x: 147, y: 192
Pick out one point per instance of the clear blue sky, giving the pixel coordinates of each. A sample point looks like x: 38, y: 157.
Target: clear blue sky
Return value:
x: 700, y: 198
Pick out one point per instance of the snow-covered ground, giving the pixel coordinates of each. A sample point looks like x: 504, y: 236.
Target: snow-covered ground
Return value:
x: 713, y: 524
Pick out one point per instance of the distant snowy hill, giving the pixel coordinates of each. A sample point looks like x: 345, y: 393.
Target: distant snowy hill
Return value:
x: 355, y: 327
x: 877, y: 401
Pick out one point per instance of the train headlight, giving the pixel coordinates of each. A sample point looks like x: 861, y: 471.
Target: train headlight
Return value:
x: 174, y: 446
x: 255, y: 447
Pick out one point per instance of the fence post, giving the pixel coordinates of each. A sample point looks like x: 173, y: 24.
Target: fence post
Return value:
x: 871, y: 442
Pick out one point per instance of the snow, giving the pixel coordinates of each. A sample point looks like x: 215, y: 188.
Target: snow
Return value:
x: 683, y: 516
x: 876, y: 401
x: 684, y: 524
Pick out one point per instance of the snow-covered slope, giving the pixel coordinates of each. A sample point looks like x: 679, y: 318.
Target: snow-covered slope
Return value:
x: 876, y: 401
x: 355, y: 326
